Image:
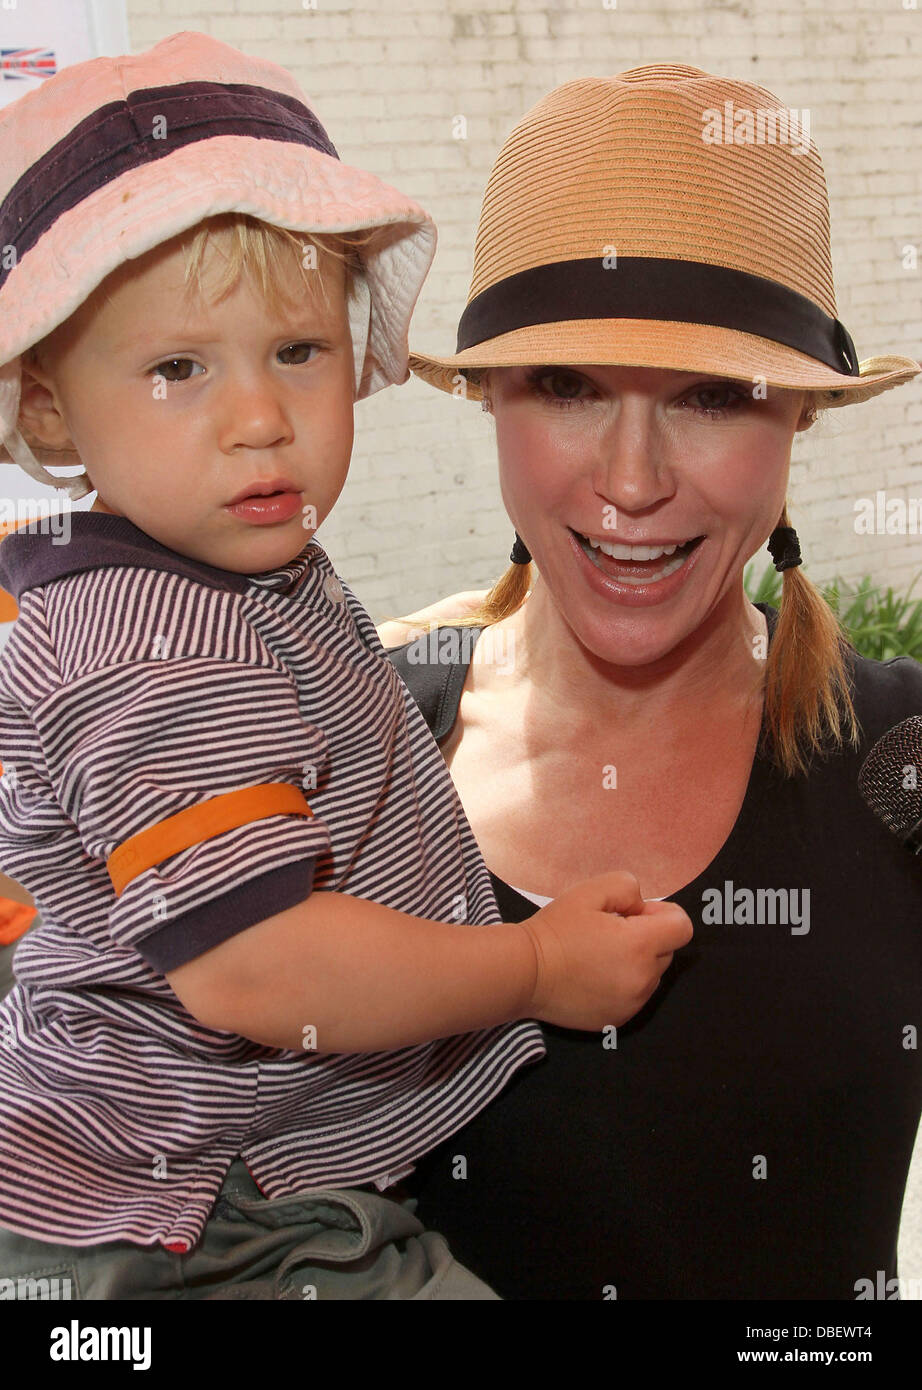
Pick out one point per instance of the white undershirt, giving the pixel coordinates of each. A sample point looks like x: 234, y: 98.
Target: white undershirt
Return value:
x: 532, y: 897
x: 543, y: 902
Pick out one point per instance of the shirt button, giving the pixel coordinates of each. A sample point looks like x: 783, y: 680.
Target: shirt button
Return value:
x: 333, y: 589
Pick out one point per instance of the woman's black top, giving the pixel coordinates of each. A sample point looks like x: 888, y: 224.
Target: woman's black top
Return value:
x: 749, y: 1135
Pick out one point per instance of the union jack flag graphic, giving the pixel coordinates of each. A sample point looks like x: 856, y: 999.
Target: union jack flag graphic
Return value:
x: 17, y: 63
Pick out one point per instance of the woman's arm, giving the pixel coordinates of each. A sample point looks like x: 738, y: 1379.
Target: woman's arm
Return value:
x: 395, y: 632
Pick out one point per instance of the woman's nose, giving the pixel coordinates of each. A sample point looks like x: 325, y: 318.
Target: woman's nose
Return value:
x: 252, y: 414
x: 632, y: 469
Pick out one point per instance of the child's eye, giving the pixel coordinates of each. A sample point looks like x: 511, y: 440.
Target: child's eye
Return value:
x: 165, y: 368
x: 299, y: 348
x: 183, y: 368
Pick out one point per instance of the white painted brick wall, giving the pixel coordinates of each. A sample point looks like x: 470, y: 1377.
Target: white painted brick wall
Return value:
x: 421, y: 515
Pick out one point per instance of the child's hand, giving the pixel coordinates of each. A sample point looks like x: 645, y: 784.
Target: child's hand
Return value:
x: 601, y: 952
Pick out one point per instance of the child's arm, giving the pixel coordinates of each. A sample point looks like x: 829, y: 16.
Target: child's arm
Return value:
x: 365, y: 978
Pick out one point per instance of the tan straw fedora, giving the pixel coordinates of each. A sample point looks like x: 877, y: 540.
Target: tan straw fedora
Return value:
x: 664, y: 217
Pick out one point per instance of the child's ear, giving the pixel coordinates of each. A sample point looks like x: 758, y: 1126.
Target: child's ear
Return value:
x: 39, y: 416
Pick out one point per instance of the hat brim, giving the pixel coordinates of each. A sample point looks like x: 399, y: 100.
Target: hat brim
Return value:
x: 673, y: 346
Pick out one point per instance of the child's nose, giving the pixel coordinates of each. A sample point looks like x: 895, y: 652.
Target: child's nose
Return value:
x: 252, y: 413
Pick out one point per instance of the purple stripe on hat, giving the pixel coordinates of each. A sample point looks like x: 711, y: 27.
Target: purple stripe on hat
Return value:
x: 653, y: 287
x: 121, y: 136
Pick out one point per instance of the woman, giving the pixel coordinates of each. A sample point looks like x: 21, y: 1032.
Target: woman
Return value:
x: 651, y: 321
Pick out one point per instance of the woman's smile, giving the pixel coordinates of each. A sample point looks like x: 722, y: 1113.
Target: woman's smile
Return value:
x: 645, y: 575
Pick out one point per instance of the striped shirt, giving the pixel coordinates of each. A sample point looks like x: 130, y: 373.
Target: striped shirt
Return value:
x: 138, y: 684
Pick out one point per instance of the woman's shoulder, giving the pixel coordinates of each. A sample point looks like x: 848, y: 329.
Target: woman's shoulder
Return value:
x: 885, y: 692
x: 433, y: 667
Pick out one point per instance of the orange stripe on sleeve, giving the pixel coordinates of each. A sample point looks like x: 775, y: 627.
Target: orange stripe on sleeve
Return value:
x: 202, y: 822
x: 15, y: 920
x: 9, y: 609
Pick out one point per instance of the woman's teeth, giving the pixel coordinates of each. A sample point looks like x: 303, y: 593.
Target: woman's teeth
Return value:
x: 637, y: 554
x: 634, y: 552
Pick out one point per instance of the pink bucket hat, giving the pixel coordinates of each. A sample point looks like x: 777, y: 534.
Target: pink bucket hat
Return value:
x: 112, y: 157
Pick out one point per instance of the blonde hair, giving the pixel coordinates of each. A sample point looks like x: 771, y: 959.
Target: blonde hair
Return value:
x: 251, y: 247
x: 808, y: 707
x: 261, y: 249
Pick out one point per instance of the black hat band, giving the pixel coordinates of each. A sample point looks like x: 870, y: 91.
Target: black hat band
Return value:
x: 642, y: 287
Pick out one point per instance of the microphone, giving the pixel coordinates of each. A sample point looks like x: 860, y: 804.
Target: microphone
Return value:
x: 890, y: 781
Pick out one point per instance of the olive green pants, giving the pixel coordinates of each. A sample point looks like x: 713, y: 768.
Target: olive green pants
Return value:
x: 336, y: 1244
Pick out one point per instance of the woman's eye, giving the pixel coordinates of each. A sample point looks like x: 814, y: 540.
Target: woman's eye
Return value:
x: 558, y: 388
x: 728, y: 398
x: 165, y: 368
x: 299, y: 349
x: 565, y: 389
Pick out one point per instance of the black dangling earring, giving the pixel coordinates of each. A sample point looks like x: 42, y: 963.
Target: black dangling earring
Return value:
x: 519, y: 555
x: 784, y: 548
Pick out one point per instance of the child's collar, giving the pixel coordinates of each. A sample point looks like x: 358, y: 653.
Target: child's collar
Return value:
x: 100, y: 539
